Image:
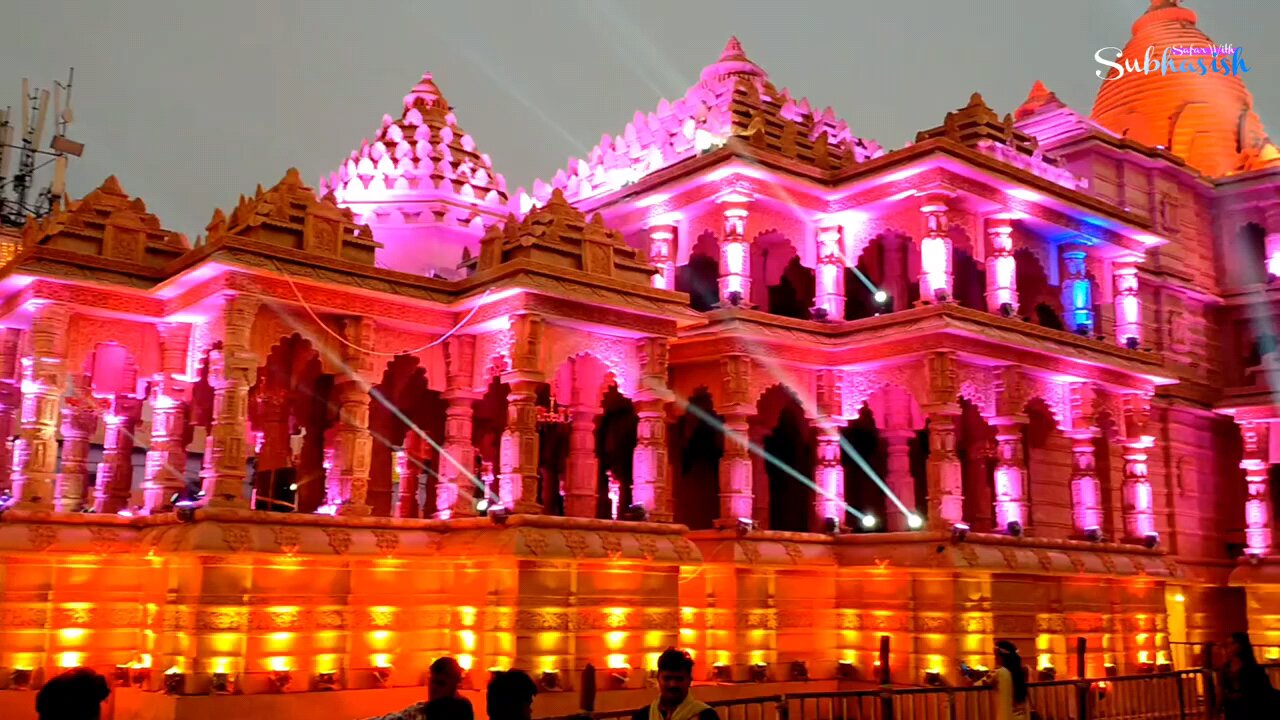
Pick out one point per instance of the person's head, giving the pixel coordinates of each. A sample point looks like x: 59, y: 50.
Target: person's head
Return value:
x: 1239, y: 647
x: 510, y: 696
x: 1008, y: 658
x: 675, y: 672
x: 444, y: 679
x: 74, y: 695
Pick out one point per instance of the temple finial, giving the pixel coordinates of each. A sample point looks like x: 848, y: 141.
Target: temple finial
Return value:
x: 733, y: 50
x: 1163, y: 4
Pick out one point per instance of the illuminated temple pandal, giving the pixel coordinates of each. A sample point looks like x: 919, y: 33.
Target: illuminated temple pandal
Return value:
x: 1049, y: 389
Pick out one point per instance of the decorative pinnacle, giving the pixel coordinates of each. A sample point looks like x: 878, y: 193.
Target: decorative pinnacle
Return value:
x: 733, y: 50
x: 425, y: 92
x: 1163, y: 4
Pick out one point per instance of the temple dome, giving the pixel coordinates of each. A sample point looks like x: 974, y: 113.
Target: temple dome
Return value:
x: 1207, y: 120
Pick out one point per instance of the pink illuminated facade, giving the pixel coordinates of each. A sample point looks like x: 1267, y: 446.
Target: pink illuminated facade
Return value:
x: 738, y: 380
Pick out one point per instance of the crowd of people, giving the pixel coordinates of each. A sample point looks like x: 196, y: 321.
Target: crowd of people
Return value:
x: 1243, y: 691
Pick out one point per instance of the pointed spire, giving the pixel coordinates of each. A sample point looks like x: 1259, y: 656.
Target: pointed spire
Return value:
x: 426, y: 93
x: 733, y: 51
x: 1039, y: 97
x: 111, y: 186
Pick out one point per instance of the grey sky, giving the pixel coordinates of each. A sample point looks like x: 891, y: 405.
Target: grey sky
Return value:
x: 192, y: 103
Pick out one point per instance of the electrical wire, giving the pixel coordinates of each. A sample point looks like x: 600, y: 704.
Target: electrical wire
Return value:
x: 306, y: 306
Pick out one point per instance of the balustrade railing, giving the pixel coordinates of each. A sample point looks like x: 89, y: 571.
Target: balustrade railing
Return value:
x: 1179, y: 695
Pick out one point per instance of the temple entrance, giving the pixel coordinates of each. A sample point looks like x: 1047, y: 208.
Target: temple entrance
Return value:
x: 615, y: 447
x: 289, y: 412
x: 975, y: 447
x: 700, y: 277
x: 696, y: 449
x: 401, y: 408
x: 488, y: 423
x: 861, y: 491
x: 781, y: 499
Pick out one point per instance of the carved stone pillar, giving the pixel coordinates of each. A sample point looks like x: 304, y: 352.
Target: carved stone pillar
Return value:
x: 898, y: 477
x: 760, y: 490
x: 1002, y: 269
x: 114, y: 488
x: 1086, y: 490
x: 456, y: 488
x: 347, y: 475
x: 1011, y: 463
x: 1257, y: 504
x: 1128, y: 304
x: 79, y: 423
x: 829, y: 473
x: 1077, y: 289
x: 945, y: 476
x: 1139, y: 505
x: 582, y: 469
x: 735, y: 252
x: 662, y: 253
x: 829, y: 278
x: 650, y: 467
x: 10, y: 399
x: 410, y: 461
x: 518, y: 484
x: 166, y: 463
x: 231, y: 372
x: 735, y: 472
x: 736, y: 407
x: 270, y: 422
x: 936, y: 262
x: 43, y: 382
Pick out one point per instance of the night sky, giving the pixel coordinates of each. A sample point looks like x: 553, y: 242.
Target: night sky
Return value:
x: 192, y: 103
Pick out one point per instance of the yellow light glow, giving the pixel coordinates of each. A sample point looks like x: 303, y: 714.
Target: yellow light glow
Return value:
x: 615, y: 640
x: 756, y: 657
x: 651, y: 661
x: 465, y: 661
x: 143, y: 662
x: 466, y: 616
x: 380, y: 660
x: 688, y: 635
x: 1143, y: 638
x: 1144, y: 656
x: 617, y: 661
x: 1044, y: 661
x: 655, y: 639
x: 1162, y: 658
x: 467, y: 639
x: 1179, y: 598
x: 71, y: 635
x: 25, y: 661
x: 937, y: 664
x: 379, y: 638
x: 328, y: 663
x: 547, y: 663
x: 280, y: 663
x: 1273, y: 653
x: 221, y: 664
x: 616, y: 617
x: 70, y: 659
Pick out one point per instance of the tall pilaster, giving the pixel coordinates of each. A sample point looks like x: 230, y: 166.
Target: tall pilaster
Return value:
x: 936, y: 263
x: 456, y: 489
x: 582, y: 469
x: 231, y: 371
x: 43, y: 382
x: 114, y: 488
x: 1257, y: 505
x: 1002, y: 268
x: 650, y: 468
x: 945, y: 476
x: 1128, y: 303
x: 898, y: 431
x: 1139, y: 505
x: 1011, y: 463
x: 829, y: 473
x: 830, y: 294
x: 10, y: 399
x: 1077, y: 289
x: 1086, y: 490
x: 735, y: 407
x: 735, y: 251
x: 166, y: 463
x: 347, y: 478
x: 79, y: 423
x: 410, y: 461
x: 662, y: 253
x: 518, y: 483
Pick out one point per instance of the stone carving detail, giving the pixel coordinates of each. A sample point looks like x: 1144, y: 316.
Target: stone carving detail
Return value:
x: 104, y: 540
x: 236, y: 537
x: 683, y: 548
x: 860, y: 385
x: 41, y: 537
x: 977, y: 385
x: 576, y: 543
x: 389, y: 542
x: 339, y: 540
x: 287, y: 539
x: 616, y: 354
x: 612, y: 545
x: 1108, y: 562
x: 794, y: 552
x: 750, y: 552
x: 1010, y: 557
x: 648, y: 546
x: 1046, y: 562
x: 1057, y: 395
x: 970, y: 555
x: 493, y: 354
x: 534, y: 541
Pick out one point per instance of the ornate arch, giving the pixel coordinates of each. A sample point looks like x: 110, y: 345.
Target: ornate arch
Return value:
x: 978, y: 386
x: 270, y: 327
x: 608, y: 379
x: 860, y: 385
x: 809, y: 411
x: 617, y: 354
x: 1055, y: 394
x: 86, y: 332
